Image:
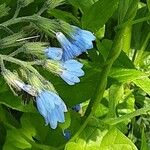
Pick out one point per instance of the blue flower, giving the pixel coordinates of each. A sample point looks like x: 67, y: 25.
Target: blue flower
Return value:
x: 54, y: 53
x: 51, y: 107
x: 82, y: 38
x: 71, y: 71
x: 67, y: 134
x: 79, y: 41
x: 77, y: 107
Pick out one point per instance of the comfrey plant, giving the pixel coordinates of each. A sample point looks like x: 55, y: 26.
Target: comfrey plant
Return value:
x: 88, y: 96
x: 56, y: 60
x: 59, y: 61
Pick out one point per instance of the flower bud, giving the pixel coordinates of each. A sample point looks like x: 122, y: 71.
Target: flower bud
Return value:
x: 47, y: 25
x: 11, y: 40
x: 14, y: 81
x: 35, y: 48
x: 40, y: 83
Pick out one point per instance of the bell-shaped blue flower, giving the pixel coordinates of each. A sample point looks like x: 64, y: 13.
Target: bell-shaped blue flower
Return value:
x: 71, y: 70
x: 54, y: 53
x: 82, y: 38
x: 51, y: 107
x: 78, y: 42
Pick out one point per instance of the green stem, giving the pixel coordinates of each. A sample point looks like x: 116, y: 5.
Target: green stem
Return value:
x: 115, y: 51
x: 17, y: 20
x: 27, y: 65
x: 19, y: 50
x: 127, y: 39
x: 16, y: 12
x: 127, y: 116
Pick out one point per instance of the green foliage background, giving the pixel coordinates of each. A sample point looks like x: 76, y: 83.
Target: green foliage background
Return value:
x: 115, y: 90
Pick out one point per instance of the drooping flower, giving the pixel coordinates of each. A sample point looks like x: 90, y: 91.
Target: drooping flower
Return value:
x: 49, y: 104
x: 82, y: 38
x: 69, y: 71
x: 51, y: 107
x: 78, y: 42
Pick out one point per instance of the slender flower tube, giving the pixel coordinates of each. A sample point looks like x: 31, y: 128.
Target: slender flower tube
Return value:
x: 69, y: 71
x: 78, y: 42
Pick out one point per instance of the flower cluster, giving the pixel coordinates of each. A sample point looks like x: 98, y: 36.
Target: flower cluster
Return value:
x: 61, y: 62
x: 78, y: 42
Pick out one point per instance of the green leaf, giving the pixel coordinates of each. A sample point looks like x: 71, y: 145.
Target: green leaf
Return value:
x: 32, y: 135
x: 115, y: 95
x: 122, y: 9
x: 83, y: 5
x: 42, y: 134
x: 2, y: 135
x: 115, y: 140
x: 63, y: 15
x: 143, y: 83
x: 7, y: 118
x: 101, y: 111
x: 127, y: 103
x: 104, y: 9
x: 90, y: 139
x: 148, y: 4
x: 104, y: 47
x: 126, y: 75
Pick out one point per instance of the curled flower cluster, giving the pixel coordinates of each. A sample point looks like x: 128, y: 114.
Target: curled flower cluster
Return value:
x: 58, y: 61
x: 78, y: 42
